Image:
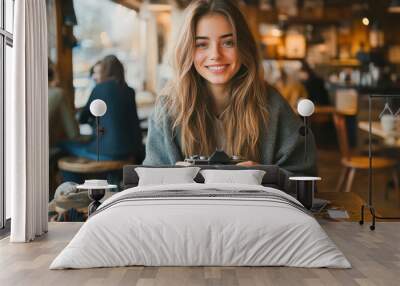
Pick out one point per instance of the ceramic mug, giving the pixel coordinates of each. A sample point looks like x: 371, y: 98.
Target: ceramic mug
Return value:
x: 388, y: 123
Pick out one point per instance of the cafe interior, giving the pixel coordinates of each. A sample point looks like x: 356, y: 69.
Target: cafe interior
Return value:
x: 334, y: 63
x: 352, y: 48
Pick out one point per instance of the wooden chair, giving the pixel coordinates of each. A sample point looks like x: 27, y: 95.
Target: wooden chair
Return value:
x: 352, y: 163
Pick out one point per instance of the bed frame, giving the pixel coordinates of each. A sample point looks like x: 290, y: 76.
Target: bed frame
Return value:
x: 274, y: 177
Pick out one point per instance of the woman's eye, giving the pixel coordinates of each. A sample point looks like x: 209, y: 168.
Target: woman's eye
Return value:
x: 201, y: 45
x: 229, y: 44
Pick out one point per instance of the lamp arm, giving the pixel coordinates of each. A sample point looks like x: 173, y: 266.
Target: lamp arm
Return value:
x: 97, y: 137
x: 305, y: 137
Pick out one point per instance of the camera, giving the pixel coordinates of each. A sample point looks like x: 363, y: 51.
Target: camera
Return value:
x: 218, y: 157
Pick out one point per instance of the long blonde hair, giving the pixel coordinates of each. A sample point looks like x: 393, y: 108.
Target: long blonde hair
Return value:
x: 188, y: 98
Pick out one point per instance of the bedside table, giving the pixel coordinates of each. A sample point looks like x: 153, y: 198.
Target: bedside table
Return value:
x: 96, y: 191
x: 305, y: 187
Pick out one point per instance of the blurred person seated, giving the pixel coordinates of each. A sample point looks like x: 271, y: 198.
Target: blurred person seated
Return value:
x: 94, y: 79
x: 122, y: 138
x: 291, y: 89
x: 62, y: 124
x: 363, y: 56
x: 95, y: 72
x: 314, y: 85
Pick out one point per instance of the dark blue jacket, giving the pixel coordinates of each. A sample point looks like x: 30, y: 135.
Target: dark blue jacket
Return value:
x: 122, y: 136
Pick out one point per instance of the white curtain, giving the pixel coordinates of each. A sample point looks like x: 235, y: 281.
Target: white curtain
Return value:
x: 27, y: 123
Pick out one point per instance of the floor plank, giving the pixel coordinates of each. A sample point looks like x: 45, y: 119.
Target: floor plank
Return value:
x: 375, y: 256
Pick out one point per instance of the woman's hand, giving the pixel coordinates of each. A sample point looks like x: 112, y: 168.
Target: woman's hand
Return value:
x: 248, y: 163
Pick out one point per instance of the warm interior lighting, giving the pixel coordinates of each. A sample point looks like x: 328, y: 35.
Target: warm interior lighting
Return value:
x: 268, y: 30
x: 365, y: 21
x: 295, y: 44
x: 276, y: 32
x: 265, y: 5
x: 394, y: 6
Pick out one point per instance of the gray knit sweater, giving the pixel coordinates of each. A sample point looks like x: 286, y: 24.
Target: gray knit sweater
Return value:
x: 282, y: 144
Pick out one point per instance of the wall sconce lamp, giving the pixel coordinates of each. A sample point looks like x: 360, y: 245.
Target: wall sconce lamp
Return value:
x: 98, y: 108
x: 305, y: 108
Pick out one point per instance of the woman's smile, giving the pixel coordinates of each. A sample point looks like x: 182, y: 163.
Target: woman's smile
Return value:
x: 217, y: 69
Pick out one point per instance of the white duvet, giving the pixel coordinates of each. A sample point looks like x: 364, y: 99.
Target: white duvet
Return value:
x: 200, y: 231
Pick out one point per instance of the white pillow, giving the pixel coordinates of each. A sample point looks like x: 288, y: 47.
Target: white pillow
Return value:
x: 165, y: 176
x: 248, y: 177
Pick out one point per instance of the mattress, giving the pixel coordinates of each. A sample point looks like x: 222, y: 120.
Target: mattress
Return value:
x: 201, y: 225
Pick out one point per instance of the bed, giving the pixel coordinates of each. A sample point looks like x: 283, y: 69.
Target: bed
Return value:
x: 197, y: 224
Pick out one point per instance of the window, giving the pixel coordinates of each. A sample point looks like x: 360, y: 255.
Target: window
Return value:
x: 9, y: 12
x: 6, y: 43
x: 117, y: 34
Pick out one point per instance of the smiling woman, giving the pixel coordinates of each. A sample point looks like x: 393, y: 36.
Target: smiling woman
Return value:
x: 219, y: 100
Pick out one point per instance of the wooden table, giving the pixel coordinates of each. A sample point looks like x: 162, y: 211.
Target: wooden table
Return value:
x: 87, y: 166
x: 390, y: 138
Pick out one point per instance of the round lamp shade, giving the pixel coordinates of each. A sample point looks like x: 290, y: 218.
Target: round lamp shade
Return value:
x: 305, y: 107
x: 98, y: 107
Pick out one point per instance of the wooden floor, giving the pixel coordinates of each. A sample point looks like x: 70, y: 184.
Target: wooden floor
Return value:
x: 375, y: 257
